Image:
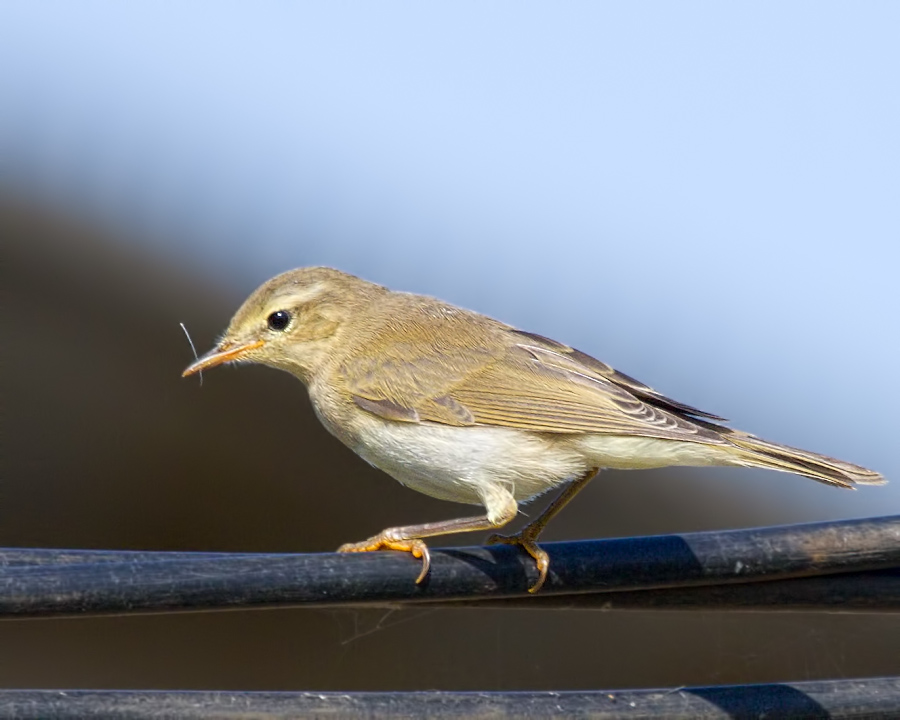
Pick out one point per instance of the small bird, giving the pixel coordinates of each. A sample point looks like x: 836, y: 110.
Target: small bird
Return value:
x: 462, y: 407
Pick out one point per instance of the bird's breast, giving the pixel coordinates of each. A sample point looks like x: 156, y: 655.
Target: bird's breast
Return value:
x: 454, y: 463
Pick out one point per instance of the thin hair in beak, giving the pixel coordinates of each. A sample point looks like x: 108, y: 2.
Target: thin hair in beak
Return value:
x: 193, y: 349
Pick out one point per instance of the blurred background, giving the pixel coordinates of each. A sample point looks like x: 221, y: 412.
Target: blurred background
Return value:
x: 703, y: 195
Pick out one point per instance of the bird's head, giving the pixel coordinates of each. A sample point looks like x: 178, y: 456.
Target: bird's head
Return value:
x: 292, y: 322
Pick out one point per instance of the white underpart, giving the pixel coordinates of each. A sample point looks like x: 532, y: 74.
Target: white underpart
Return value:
x: 493, y: 466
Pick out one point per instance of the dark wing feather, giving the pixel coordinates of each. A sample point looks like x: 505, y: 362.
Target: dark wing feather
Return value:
x: 635, y: 387
x: 542, y: 391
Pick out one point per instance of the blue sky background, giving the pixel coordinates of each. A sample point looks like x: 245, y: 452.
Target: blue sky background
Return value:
x: 705, y: 195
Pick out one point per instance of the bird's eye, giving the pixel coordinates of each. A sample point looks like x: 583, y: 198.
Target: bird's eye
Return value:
x: 279, y: 320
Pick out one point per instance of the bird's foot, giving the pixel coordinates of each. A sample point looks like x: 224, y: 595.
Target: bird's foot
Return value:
x: 526, y: 538
x: 385, y: 541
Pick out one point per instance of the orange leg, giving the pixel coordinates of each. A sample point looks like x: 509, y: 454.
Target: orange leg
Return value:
x: 409, y: 538
x: 528, y: 535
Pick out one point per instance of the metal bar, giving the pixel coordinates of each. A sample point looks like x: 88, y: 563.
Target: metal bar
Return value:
x: 54, y: 582
x: 866, y: 592
x: 872, y: 698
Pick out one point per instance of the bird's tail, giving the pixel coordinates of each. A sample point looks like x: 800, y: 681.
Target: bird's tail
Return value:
x: 755, y: 452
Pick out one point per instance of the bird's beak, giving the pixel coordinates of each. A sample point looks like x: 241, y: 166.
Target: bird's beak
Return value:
x: 221, y: 354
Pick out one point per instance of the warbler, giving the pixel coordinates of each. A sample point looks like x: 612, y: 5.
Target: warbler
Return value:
x: 463, y: 407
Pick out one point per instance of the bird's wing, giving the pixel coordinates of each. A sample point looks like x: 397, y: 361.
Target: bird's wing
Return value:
x: 635, y: 387
x: 407, y: 369
x: 531, y: 383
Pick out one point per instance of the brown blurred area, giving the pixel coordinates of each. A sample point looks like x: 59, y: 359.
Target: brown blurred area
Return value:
x: 105, y: 446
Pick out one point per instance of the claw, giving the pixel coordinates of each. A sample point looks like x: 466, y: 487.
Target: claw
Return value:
x: 417, y: 548
x: 524, y: 539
